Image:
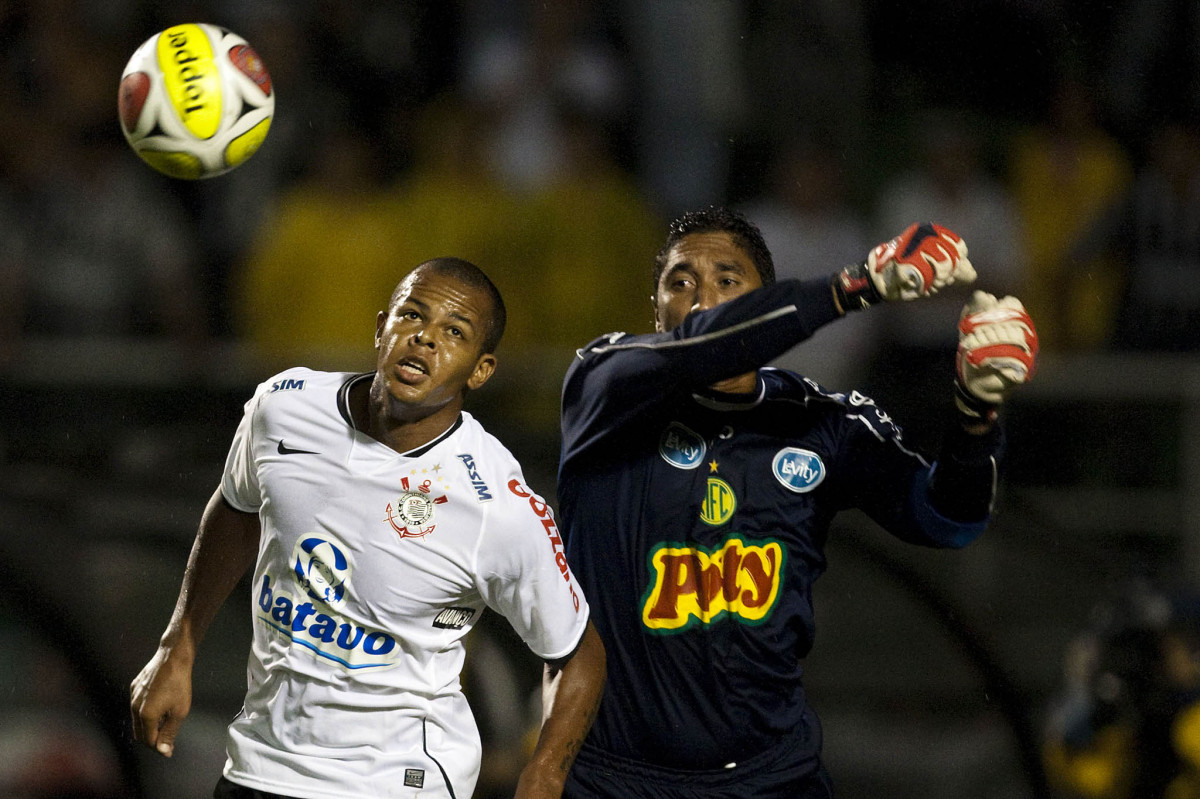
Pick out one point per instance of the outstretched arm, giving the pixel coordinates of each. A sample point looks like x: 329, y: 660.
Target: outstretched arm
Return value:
x: 161, y: 695
x: 571, y: 694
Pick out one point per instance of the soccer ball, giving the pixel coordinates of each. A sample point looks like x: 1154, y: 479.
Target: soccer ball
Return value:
x: 195, y: 101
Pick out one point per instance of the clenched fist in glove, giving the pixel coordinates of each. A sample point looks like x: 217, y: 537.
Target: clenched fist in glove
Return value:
x: 915, y: 264
x: 997, y: 350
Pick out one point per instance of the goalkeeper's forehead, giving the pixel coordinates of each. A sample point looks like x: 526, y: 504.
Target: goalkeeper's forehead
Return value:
x: 720, y: 249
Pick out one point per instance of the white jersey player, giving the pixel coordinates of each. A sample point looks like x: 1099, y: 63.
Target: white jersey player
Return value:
x: 384, y: 520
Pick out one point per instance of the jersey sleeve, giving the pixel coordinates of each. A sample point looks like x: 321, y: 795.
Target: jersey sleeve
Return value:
x: 616, y: 378
x: 239, y: 481
x: 946, y: 503
x: 522, y: 573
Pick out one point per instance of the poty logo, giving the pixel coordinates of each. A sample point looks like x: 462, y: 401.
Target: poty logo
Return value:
x: 287, y: 384
x: 482, y: 492
x: 306, y: 616
x: 681, y: 447
x: 690, y: 585
x: 798, y: 470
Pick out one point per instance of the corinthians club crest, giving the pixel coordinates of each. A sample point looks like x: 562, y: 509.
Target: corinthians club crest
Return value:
x: 411, y: 515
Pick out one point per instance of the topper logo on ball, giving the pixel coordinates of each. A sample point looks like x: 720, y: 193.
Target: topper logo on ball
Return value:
x: 186, y: 59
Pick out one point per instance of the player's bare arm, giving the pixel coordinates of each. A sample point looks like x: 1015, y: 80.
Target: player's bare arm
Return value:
x: 161, y: 695
x: 571, y: 696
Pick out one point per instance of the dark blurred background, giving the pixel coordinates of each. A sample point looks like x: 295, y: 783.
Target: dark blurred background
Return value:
x: 550, y: 142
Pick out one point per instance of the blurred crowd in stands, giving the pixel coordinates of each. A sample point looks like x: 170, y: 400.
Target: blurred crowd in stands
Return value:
x: 550, y: 142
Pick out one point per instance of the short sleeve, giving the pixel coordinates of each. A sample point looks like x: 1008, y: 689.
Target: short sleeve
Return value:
x: 239, y: 481
x: 522, y: 573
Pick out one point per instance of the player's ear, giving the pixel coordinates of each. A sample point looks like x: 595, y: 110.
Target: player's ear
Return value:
x: 485, y: 367
x: 380, y: 321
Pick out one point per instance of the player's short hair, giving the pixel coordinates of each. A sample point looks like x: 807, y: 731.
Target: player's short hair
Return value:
x: 471, y: 275
x: 715, y: 219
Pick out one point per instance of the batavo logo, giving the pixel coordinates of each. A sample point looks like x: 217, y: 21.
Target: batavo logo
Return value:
x: 692, y: 585
x: 304, y: 608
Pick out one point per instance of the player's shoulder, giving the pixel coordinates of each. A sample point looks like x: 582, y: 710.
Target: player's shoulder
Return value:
x: 482, y: 453
x: 493, y: 472
x: 300, y: 385
x: 847, y: 407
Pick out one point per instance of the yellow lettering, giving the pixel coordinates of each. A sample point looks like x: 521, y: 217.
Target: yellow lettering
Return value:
x: 691, y: 585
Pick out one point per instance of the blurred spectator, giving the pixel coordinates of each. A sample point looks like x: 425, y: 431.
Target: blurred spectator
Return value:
x: 1155, y: 231
x: 329, y: 253
x: 522, y: 63
x: 592, y: 234
x: 812, y: 232
x: 952, y: 186
x: 1152, y: 53
x: 692, y: 96
x: 1066, y: 172
x: 450, y: 202
x: 107, y: 251
x: 113, y: 254
x: 810, y: 67
x: 1126, y: 723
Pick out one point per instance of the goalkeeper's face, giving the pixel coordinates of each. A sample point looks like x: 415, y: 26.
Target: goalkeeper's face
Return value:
x: 702, y: 270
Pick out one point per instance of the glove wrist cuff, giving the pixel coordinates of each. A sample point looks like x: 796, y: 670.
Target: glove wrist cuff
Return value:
x: 972, y: 407
x: 853, y: 289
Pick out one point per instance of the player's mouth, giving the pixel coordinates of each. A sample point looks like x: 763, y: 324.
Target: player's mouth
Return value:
x: 412, y: 369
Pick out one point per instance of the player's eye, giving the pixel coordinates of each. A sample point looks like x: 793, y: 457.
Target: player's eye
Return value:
x: 456, y: 332
x: 410, y: 314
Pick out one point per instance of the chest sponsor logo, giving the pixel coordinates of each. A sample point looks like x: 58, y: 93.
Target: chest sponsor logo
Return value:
x: 719, y: 502
x: 681, y: 447
x: 542, y: 511
x: 304, y: 606
x: 288, y: 384
x: 798, y: 470
x: 411, y: 515
x: 692, y: 585
x: 482, y: 492
x: 453, y: 618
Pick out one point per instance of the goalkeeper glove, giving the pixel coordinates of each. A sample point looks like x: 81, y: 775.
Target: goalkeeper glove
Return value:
x: 997, y: 350
x: 918, y: 262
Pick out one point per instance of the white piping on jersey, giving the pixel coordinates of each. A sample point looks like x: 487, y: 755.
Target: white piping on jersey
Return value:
x: 687, y: 342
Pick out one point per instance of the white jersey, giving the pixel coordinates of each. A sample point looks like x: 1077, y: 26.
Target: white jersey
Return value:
x: 371, y: 569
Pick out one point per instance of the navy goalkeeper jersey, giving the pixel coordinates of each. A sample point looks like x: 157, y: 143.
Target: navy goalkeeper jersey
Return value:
x: 696, y: 522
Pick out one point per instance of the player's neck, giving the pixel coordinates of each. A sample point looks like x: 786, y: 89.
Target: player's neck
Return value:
x: 742, y: 384
x: 378, y: 418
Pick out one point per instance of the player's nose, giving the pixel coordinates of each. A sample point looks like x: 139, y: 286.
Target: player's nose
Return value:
x: 706, y: 297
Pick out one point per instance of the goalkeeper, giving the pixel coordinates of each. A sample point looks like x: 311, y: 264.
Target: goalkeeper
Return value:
x: 696, y: 490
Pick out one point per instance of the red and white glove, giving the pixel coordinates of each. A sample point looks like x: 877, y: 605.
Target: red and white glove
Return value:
x: 997, y: 351
x: 917, y: 263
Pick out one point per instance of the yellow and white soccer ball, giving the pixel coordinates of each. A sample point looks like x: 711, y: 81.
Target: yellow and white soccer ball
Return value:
x: 195, y: 101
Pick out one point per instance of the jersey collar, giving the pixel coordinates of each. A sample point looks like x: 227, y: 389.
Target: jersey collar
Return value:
x: 720, y: 401
x: 343, y: 406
